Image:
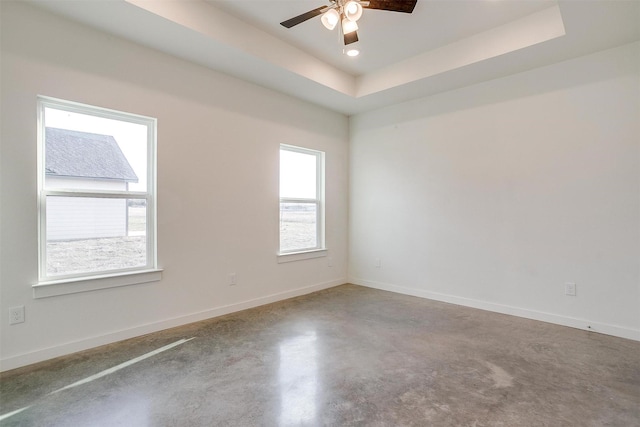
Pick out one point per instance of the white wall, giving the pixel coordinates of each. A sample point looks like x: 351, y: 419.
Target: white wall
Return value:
x: 218, y: 150
x: 496, y: 195
x: 491, y: 196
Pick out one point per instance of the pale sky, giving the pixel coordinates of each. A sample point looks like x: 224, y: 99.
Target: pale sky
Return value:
x: 297, y: 175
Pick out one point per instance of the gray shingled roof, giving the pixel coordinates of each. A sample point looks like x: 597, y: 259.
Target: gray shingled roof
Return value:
x: 85, y: 155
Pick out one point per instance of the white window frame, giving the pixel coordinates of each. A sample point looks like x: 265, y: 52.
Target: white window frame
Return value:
x: 319, y: 201
x: 71, y: 283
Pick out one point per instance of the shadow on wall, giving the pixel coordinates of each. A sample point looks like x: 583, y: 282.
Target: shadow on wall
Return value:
x: 571, y: 73
x: 88, y: 52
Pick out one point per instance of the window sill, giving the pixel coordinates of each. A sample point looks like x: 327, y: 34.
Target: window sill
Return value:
x: 298, y: 256
x: 54, y: 288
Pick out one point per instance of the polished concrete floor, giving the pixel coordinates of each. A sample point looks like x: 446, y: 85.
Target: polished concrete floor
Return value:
x: 347, y: 356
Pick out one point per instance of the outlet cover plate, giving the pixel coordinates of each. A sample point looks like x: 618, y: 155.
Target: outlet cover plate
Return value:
x: 570, y: 289
x: 16, y: 315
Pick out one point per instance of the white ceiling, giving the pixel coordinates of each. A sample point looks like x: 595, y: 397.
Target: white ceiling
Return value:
x: 385, y: 37
x: 442, y: 45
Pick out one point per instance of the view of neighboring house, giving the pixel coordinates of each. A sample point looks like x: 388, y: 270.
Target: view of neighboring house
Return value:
x: 88, y: 161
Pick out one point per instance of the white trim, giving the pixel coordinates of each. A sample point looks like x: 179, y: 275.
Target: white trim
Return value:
x: 41, y: 198
x: 107, y: 113
x: 103, y: 278
x: 24, y: 359
x: 298, y: 256
x: 74, y: 285
x: 584, y: 324
x: 102, y: 194
x: 319, y: 200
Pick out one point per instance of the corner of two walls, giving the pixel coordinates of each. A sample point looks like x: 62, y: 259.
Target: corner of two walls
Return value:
x: 490, y: 196
x: 496, y: 195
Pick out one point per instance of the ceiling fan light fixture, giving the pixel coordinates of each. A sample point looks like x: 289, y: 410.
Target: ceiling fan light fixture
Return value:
x: 346, y: 13
x: 330, y: 19
x: 349, y: 26
x: 352, y: 10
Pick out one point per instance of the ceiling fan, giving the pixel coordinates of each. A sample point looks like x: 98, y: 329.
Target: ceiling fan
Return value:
x: 347, y: 12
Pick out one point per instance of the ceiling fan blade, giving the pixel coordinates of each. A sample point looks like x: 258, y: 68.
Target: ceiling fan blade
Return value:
x: 351, y: 37
x: 305, y: 16
x: 405, y: 6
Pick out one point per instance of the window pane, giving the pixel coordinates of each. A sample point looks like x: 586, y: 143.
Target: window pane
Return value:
x: 297, y: 175
x: 93, y: 235
x: 94, y: 153
x: 298, y: 226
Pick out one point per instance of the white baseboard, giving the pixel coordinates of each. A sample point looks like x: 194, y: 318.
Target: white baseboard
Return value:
x: 84, y: 344
x: 584, y: 324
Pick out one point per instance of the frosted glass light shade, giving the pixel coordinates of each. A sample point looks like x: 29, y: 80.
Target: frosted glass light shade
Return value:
x: 349, y: 26
x: 330, y: 19
x: 352, y: 11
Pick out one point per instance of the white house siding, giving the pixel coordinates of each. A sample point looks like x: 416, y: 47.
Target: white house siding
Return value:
x: 85, y: 218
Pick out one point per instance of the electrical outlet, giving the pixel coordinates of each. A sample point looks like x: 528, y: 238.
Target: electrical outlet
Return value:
x: 16, y: 315
x: 570, y: 289
x: 330, y: 262
x: 232, y: 279
x: 378, y: 263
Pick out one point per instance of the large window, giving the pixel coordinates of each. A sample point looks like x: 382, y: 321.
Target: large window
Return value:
x: 301, y: 199
x: 96, y: 192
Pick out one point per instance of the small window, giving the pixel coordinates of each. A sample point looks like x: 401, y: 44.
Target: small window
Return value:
x: 96, y: 191
x: 301, y: 199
